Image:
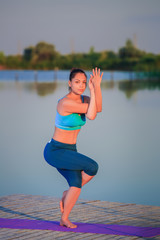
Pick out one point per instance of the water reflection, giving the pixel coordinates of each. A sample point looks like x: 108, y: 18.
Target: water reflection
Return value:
x: 45, y: 88
x: 42, y: 89
x: 108, y: 84
x: 131, y: 87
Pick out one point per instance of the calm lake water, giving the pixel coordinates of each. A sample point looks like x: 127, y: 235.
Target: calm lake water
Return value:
x: 124, y: 139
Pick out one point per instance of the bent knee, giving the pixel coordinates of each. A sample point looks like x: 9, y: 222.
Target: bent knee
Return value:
x: 93, y: 169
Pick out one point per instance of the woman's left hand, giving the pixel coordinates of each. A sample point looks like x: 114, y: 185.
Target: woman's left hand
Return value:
x: 91, y: 86
x: 96, y: 77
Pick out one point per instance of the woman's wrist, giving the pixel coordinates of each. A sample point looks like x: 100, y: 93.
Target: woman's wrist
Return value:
x: 97, y: 84
x: 92, y: 91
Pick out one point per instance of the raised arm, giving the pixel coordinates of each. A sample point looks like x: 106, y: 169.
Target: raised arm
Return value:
x: 92, y: 109
x: 97, y: 78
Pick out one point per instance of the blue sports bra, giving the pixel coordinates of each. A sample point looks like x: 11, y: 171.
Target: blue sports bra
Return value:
x: 72, y: 121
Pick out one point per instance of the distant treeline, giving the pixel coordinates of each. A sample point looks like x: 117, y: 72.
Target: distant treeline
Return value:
x: 44, y: 56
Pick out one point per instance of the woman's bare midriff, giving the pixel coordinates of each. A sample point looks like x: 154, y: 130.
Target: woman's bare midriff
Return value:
x: 65, y: 136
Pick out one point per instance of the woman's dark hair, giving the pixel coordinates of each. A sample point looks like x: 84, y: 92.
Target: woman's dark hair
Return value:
x: 73, y: 73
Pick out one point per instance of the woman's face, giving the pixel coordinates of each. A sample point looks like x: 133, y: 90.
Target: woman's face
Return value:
x: 78, y: 83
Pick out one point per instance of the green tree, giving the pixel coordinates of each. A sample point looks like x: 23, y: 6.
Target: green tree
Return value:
x: 42, y: 56
x: 129, y: 51
x: 44, y: 51
x: 2, y: 58
x: 157, y: 62
x: 28, y: 53
x: 45, y: 56
x: 13, y: 62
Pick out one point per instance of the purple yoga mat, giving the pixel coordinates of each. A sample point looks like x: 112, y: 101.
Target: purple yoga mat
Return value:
x: 82, y: 227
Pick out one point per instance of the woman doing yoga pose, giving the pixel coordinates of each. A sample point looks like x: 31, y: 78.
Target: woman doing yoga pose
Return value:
x: 61, y: 151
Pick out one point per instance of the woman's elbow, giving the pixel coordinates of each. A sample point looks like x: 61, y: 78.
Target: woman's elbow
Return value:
x: 99, y: 110
x: 91, y: 117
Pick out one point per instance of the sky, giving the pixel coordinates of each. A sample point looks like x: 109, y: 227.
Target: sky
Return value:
x: 77, y: 25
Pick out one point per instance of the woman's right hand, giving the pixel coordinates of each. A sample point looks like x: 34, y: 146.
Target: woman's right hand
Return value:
x: 97, y: 76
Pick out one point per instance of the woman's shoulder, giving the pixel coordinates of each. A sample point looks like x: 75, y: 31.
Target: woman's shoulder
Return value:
x: 61, y: 99
x: 64, y: 101
x: 64, y: 98
x: 68, y: 101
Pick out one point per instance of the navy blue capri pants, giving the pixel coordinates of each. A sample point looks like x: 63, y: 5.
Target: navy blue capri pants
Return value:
x: 69, y: 162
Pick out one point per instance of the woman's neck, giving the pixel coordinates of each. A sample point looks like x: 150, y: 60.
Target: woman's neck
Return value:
x: 74, y: 96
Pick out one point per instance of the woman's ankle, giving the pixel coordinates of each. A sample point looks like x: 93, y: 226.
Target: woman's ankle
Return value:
x: 64, y: 218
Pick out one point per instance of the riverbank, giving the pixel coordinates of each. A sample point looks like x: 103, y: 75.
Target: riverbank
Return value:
x: 43, y: 208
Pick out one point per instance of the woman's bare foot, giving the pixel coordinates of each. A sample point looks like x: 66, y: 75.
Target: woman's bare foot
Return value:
x: 61, y: 203
x: 67, y: 223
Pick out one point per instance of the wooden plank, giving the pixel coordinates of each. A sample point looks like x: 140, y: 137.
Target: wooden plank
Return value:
x: 47, y: 208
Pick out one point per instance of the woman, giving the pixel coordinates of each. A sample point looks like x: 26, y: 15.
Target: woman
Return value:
x: 61, y: 152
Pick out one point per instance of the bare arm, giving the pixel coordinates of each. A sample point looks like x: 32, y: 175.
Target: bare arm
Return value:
x: 67, y: 105
x: 97, y: 78
x: 92, y: 110
x: 93, y: 104
x: 70, y: 106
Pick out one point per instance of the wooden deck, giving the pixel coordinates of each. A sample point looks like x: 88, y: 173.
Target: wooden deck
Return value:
x: 47, y: 208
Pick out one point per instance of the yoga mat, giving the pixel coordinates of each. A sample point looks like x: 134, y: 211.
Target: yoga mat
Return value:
x: 82, y: 227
